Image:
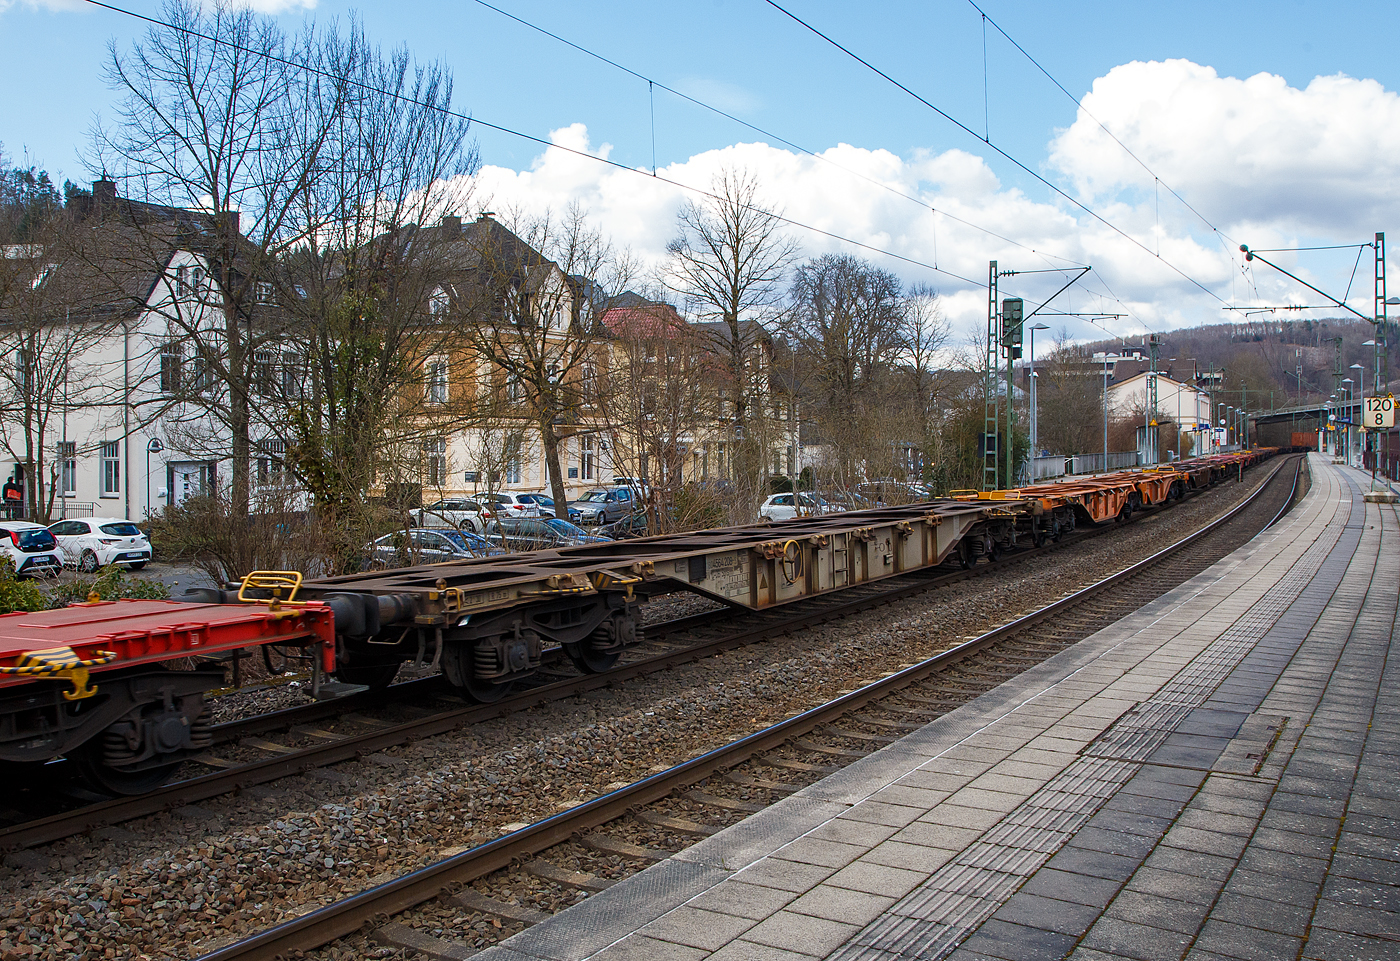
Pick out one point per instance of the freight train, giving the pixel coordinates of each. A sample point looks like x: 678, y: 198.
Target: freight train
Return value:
x: 119, y: 686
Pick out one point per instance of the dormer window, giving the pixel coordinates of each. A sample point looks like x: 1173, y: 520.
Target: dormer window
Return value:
x: 439, y: 303
x: 262, y: 292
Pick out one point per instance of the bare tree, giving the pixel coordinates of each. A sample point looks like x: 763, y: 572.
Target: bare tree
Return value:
x: 849, y: 319
x: 926, y: 332
x: 1069, y: 389
x: 211, y: 116
x: 372, y: 369
x: 527, y: 318
x: 729, y: 260
x: 655, y: 399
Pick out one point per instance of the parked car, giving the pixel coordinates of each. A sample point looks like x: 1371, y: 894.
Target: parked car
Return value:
x: 602, y: 505
x: 544, y: 504
x: 888, y: 493
x: 538, y: 533
x: 427, y: 546
x: 634, y: 525
x: 31, y: 547
x: 847, y: 500
x: 88, y: 543
x: 782, y: 507
x: 509, y: 504
x: 452, y: 512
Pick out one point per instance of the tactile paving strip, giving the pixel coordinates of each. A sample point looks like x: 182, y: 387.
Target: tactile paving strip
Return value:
x: 934, y: 918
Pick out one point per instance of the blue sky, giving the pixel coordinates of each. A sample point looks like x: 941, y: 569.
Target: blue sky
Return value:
x: 1268, y: 189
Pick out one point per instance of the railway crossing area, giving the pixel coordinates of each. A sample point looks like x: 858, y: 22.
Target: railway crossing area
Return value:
x: 1211, y: 776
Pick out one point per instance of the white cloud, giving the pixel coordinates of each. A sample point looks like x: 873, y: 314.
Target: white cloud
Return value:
x: 1269, y: 164
x: 1257, y: 152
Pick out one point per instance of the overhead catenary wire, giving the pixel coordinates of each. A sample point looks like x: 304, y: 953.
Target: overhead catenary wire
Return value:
x: 1000, y: 151
x: 806, y: 151
x: 286, y: 61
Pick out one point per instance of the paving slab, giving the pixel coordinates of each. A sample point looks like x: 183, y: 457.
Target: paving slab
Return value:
x: 1209, y: 777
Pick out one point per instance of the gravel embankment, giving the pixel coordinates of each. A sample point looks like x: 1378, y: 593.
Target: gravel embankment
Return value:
x: 178, y: 884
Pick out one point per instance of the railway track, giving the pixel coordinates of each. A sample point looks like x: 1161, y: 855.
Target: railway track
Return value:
x: 580, y: 851
x: 259, y: 760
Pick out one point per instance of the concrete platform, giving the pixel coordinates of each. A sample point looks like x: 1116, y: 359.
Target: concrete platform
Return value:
x: 1214, y: 776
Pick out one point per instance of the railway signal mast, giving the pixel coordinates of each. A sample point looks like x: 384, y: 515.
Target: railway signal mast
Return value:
x: 1006, y: 320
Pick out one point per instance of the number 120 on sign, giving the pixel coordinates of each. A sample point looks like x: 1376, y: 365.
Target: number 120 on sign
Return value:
x: 1380, y: 413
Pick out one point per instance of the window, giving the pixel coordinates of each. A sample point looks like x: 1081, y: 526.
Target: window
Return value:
x: 172, y: 357
x: 515, y: 391
x: 263, y: 364
x: 513, y: 462
x: 24, y: 372
x: 438, y: 303
x: 435, y: 458
x: 586, y: 457
x: 589, y: 384
x: 201, y: 380
x: 272, y: 463
x: 293, y: 377
x: 437, y: 380
x: 111, y: 468
x: 262, y: 292
x: 68, y: 467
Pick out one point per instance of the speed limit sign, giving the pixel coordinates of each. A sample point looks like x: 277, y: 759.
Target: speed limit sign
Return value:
x: 1380, y: 412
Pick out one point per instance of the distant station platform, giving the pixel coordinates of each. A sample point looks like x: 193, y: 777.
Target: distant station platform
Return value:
x: 1214, y: 776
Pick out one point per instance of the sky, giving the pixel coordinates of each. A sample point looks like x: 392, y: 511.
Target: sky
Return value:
x: 1203, y: 125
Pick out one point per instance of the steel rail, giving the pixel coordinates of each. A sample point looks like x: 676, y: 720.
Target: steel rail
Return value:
x: 808, y: 613
x: 333, y: 921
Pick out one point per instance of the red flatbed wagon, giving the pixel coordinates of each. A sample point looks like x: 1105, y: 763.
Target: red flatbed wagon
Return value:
x: 90, y: 681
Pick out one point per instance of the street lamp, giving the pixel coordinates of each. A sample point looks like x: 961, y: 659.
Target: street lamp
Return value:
x: 1035, y: 434
x: 153, y: 446
x: 1347, y: 455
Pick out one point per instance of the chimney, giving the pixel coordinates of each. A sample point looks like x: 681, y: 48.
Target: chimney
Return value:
x: 452, y: 224
x: 485, y: 215
x: 104, y: 195
x: 227, y: 220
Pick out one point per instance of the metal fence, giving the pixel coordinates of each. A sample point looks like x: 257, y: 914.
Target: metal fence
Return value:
x: 1043, y: 468
x: 1094, y: 463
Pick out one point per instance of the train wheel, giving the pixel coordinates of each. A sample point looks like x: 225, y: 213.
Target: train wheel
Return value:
x: 486, y: 692
x: 117, y: 781
x: 965, y: 556
x: 588, y: 660
x: 374, y: 674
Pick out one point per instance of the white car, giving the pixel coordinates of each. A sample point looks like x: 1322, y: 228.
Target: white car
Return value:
x: 453, y: 513
x: 31, y: 547
x: 782, y: 507
x: 515, y: 505
x: 89, y: 543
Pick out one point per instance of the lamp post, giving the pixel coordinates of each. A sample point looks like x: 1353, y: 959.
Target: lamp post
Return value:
x: 153, y: 446
x: 1347, y: 455
x: 1105, y: 411
x: 1035, y: 433
x: 1332, y: 423
x: 1361, y: 389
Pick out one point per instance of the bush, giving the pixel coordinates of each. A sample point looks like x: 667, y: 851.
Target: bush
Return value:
x: 109, y: 584
x: 16, y: 594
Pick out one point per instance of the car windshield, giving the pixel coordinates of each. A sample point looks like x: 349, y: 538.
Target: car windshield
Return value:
x: 120, y: 530
x: 35, y: 540
x: 594, y: 497
x: 564, y: 527
x: 467, y: 541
